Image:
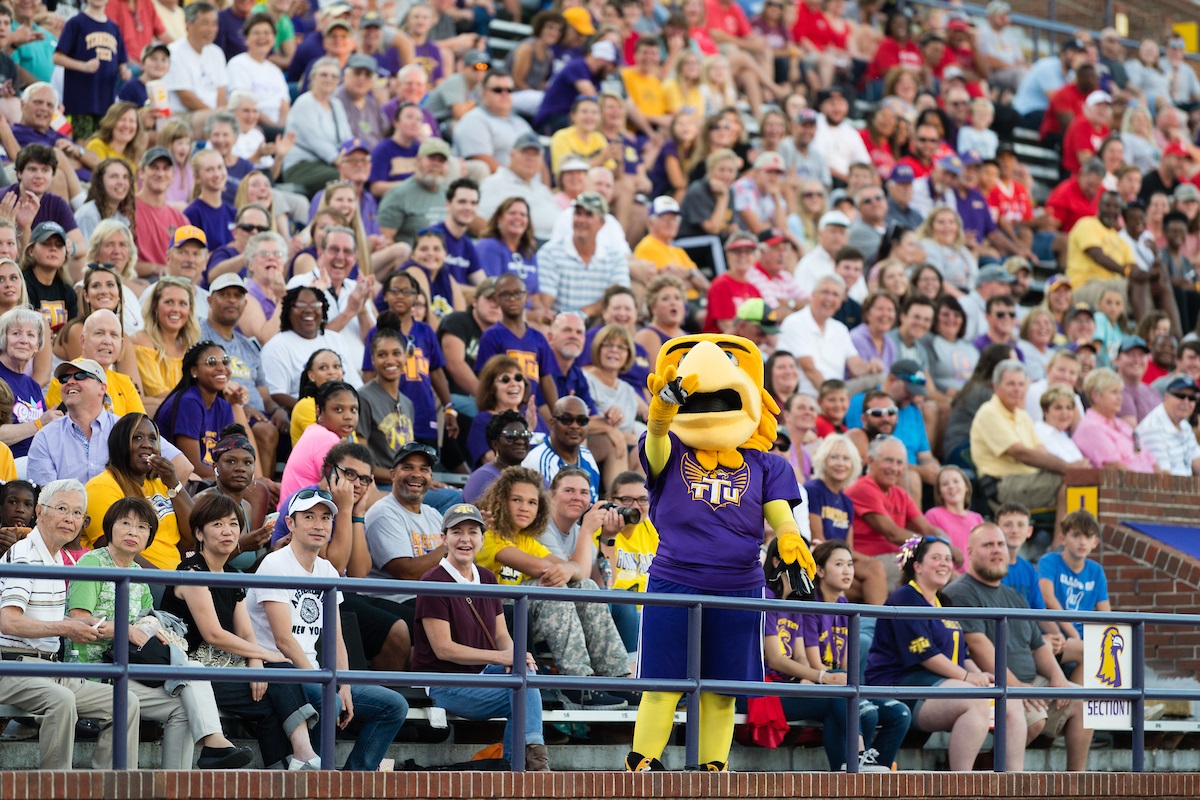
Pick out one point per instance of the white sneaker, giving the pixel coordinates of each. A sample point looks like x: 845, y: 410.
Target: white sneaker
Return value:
x: 867, y: 763
x: 295, y: 764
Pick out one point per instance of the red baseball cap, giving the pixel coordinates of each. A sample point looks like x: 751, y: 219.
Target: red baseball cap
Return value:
x: 1176, y: 149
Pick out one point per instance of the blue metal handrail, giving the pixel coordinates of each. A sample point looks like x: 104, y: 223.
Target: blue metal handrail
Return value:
x: 121, y: 672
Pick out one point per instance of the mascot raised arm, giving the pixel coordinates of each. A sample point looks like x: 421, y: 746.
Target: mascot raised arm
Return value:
x: 712, y: 483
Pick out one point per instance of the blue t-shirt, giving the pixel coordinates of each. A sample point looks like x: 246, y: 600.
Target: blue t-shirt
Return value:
x: 835, y: 509
x: 910, y: 426
x: 901, y: 646
x: 829, y: 633
x: 134, y: 92
x: 83, y: 39
x: 531, y: 351
x: 495, y: 259
x: 710, y: 524
x: 461, y: 260
x: 381, y: 160
x: 28, y: 404
x: 416, y: 384
x: 1075, y: 591
x: 574, y: 383
x: 1022, y: 578
x: 638, y: 371
x: 194, y: 420
x: 215, y: 222
x: 561, y: 92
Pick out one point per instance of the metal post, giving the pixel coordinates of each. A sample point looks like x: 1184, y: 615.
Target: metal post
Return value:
x: 520, y: 647
x: 1108, y: 13
x: 852, y: 719
x: 329, y: 711
x: 1139, y: 704
x: 693, y: 672
x: 1000, y: 730
x: 120, y: 749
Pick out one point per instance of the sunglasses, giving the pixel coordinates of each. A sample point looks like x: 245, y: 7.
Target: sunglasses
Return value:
x: 1005, y: 314
x: 507, y: 379
x: 309, y: 494
x: 807, y: 195
x: 927, y: 140
x: 782, y: 445
x: 1188, y: 398
x: 500, y: 90
x: 880, y: 413
x: 514, y: 436
x: 566, y: 419
x: 98, y: 265
x: 242, y: 226
x: 212, y: 361
x: 78, y: 377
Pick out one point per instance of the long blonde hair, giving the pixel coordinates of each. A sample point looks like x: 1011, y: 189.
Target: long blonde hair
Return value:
x: 355, y: 222
x: 195, y: 166
x: 191, y: 329
x: 241, y: 199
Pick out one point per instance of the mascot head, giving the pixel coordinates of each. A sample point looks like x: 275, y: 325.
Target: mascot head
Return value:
x: 730, y: 409
x: 1111, y: 645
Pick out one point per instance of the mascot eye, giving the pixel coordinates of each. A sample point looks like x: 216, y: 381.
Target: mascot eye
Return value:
x: 732, y: 358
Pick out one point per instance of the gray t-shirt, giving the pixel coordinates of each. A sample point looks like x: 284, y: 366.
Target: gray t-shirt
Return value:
x: 245, y: 365
x: 805, y: 166
x: 448, y: 93
x: 410, y: 207
x: 951, y: 363
x: 916, y: 352
x: 481, y: 133
x: 1023, y: 635
x: 385, y: 424
x: 395, y: 532
x: 866, y: 239
x: 558, y: 543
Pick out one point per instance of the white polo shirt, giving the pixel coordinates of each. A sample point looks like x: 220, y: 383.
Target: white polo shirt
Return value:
x: 42, y: 599
x: 802, y: 337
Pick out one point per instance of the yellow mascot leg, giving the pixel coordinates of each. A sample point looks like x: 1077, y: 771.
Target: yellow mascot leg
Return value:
x: 716, y: 730
x: 652, y: 731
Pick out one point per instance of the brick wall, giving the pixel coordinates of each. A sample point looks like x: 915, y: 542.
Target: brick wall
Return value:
x: 1143, y: 574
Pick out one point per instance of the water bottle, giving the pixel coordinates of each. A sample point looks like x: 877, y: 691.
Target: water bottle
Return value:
x: 72, y: 656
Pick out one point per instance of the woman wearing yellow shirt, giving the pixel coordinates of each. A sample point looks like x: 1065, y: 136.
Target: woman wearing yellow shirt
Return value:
x: 137, y: 469
x: 323, y: 366
x: 119, y: 135
x: 583, y: 137
x: 682, y: 90
x: 171, y: 329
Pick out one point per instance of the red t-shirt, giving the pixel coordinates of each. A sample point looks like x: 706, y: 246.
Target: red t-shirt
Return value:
x: 724, y: 296
x: 1067, y: 100
x: 137, y: 31
x: 807, y: 21
x: 1153, y: 373
x: 869, y: 498
x: 155, y: 226
x: 729, y: 18
x: 705, y: 42
x: 892, y: 54
x: 1081, y: 135
x: 1014, y: 205
x: 881, y: 153
x: 1068, y: 205
x: 919, y: 170
x: 826, y: 428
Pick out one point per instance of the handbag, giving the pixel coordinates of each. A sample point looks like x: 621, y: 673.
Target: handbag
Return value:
x: 210, y: 656
x: 152, y: 653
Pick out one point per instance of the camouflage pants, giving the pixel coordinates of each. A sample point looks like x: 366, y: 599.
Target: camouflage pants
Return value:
x: 582, y: 636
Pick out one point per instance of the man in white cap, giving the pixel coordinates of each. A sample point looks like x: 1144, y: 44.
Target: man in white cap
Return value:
x: 1088, y: 131
x: 576, y: 272
x: 580, y: 77
x: 657, y: 248
x: 571, y: 174
x: 1001, y: 47
x: 1182, y: 80
x: 832, y: 235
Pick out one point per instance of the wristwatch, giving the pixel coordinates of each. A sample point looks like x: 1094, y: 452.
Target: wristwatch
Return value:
x: 173, y: 493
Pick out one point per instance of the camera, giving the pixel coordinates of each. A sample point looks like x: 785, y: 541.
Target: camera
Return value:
x: 631, y: 516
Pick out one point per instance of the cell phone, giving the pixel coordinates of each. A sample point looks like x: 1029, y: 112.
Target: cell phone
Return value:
x: 96, y: 625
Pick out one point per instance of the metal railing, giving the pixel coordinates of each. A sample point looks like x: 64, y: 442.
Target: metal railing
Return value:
x: 520, y: 680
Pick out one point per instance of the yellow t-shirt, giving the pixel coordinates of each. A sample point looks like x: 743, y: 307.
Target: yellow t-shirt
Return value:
x: 632, y: 555
x: 103, y: 491
x: 493, y: 544
x: 568, y: 142
x: 103, y: 151
x: 8, y: 467
x: 662, y: 255
x: 993, y: 431
x: 304, y: 413
x: 123, y: 396
x: 677, y: 99
x: 1090, y: 232
x: 646, y: 92
x: 157, y: 378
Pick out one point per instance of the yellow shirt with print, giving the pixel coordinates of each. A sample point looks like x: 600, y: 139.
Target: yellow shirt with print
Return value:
x: 494, y: 543
x: 1090, y: 232
x: 567, y: 142
x: 633, y: 552
x: 103, y: 491
x: 646, y: 92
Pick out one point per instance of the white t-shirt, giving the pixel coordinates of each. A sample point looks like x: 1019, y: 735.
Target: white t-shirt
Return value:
x: 265, y: 80
x: 306, y: 605
x: 818, y: 263
x: 829, y: 349
x: 201, y: 73
x: 395, y: 532
x: 285, y: 353
x: 351, y: 332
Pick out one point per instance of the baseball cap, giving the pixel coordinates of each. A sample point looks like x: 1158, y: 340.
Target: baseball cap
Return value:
x: 362, y: 61
x: 741, y: 241
x: 604, y: 50
x: 1006, y: 148
x: 573, y: 164
x: 952, y: 164
x: 188, y: 233
x: 1185, y: 191
x: 757, y: 311
x: 958, y: 24
x: 1132, y: 343
x: 806, y: 116
x: 1183, y: 383
x: 415, y: 448
x: 434, y: 147
x: 334, y: 10
x: 154, y: 154
x: 1097, y: 97
x: 664, y: 205
x: 476, y: 58
x: 771, y: 236
x: 994, y: 274
x: 92, y: 368
x: 952, y: 72
x: 1058, y: 282
x: 838, y: 196
x: 151, y: 48
x: 593, y: 203
x: 1175, y: 149
x: 1081, y: 308
x: 229, y: 279
x: 971, y: 158
x: 910, y: 372
x: 1071, y: 45
x: 902, y: 173
x: 579, y: 19
x: 997, y: 7
x: 463, y: 512
x: 371, y: 19
x: 1015, y: 264
x: 833, y: 218
x: 336, y: 23
x: 352, y: 145
x: 486, y: 288
x: 826, y: 94
x: 528, y: 140
x: 45, y: 230
x: 769, y: 160
x: 305, y: 499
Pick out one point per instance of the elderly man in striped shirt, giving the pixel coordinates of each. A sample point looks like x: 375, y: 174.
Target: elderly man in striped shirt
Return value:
x: 1166, y: 432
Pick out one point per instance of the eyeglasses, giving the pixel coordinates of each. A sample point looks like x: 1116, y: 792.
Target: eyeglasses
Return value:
x: 628, y: 501
x: 507, y: 379
x: 356, y: 161
x: 512, y: 295
x: 566, y: 419
x: 242, y: 226
x: 65, y: 512
x: 514, y: 436
x: 880, y: 413
x: 304, y: 306
x: 927, y: 140
x: 501, y: 90
x: 275, y: 254
x: 1187, y: 398
x: 1005, y: 314
x: 354, y: 477
x: 403, y: 292
x: 875, y: 199
x: 212, y: 361
x: 807, y: 195
x: 75, y: 376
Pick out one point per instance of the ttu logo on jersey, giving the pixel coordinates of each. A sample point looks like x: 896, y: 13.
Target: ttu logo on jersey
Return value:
x: 718, y: 488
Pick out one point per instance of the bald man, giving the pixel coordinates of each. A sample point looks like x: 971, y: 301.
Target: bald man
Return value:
x: 565, y: 446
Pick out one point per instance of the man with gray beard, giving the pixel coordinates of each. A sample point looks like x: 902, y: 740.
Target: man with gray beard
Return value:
x: 419, y: 201
x: 1031, y: 661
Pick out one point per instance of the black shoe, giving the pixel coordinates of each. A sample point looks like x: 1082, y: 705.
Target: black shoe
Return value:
x: 636, y: 762
x: 711, y: 766
x: 224, y: 757
x: 634, y: 699
x: 587, y: 700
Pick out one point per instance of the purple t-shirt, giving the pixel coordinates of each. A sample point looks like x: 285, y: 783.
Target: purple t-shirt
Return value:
x: 52, y: 209
x: 415, y: 381
x: 461, y: 260
x: 223, y: 253
x: 215, y: 222
x: 574, y: 384
x: 561, y: 92
x: 429, y: 56
x: 660, y: 183
x: 233, y: 176
x: 229, y: 33
x: 902, y: 646
x: 789, y: 627
x: 835, y: 509
x: 195, y: 420
x: 829, y: 634
x: 638, y: 371
x: 84, y: 38
x: 976, y: 216
x: 28, y: 404
x: 531, y: 351
x: 710, y: 524
x: 866, y: 347
x: 495, y: 259
x: 389, y: 112
x: 381, y: 160
x: 134, y: 92
x: 982, y: 342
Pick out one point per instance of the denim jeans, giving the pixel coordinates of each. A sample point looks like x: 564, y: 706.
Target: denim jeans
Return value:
x: 443, y: 499
x: 629, y: 623
x: 381, y: 709
x: 892, y: 719
x: 478, y: 702
x: 832, y: 712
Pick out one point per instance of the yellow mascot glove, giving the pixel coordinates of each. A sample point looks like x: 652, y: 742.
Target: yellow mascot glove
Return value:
x: 667, y: 393
x: 793, y: 550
